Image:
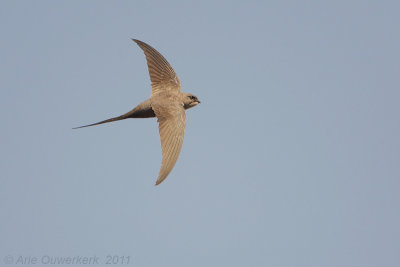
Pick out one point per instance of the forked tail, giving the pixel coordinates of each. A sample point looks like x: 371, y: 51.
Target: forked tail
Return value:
x: 105, y: 121
x: 143, y: 110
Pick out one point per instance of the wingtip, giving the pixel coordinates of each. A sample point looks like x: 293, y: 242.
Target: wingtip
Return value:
x: 159, y: 181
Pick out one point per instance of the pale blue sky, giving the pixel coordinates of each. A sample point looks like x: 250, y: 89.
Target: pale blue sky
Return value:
x: 291, y: 159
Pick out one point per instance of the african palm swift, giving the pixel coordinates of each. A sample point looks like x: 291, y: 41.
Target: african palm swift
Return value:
x: 167, y: 103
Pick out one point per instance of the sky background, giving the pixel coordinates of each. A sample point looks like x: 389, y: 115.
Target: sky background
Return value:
x: 291, y: 159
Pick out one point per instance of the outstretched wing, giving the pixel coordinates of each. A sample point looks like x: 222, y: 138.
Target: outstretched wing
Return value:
x: 162, y: 75
x: 171, y: 118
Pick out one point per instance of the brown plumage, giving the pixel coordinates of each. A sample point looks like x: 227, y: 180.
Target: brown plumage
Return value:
x: 167, y: 103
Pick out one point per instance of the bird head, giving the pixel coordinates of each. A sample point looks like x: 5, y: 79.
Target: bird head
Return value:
x: 190, y: 100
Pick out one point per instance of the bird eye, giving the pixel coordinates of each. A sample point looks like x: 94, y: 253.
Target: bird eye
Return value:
x: 191, y: 97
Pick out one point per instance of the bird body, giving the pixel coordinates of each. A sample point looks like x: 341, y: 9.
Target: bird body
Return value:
x: 167, y: 103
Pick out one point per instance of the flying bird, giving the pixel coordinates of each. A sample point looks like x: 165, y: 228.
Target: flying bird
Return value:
x: 167, y: 103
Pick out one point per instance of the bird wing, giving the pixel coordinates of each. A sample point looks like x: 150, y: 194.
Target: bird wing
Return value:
x: 162, y: 75
x: 171, y: 119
